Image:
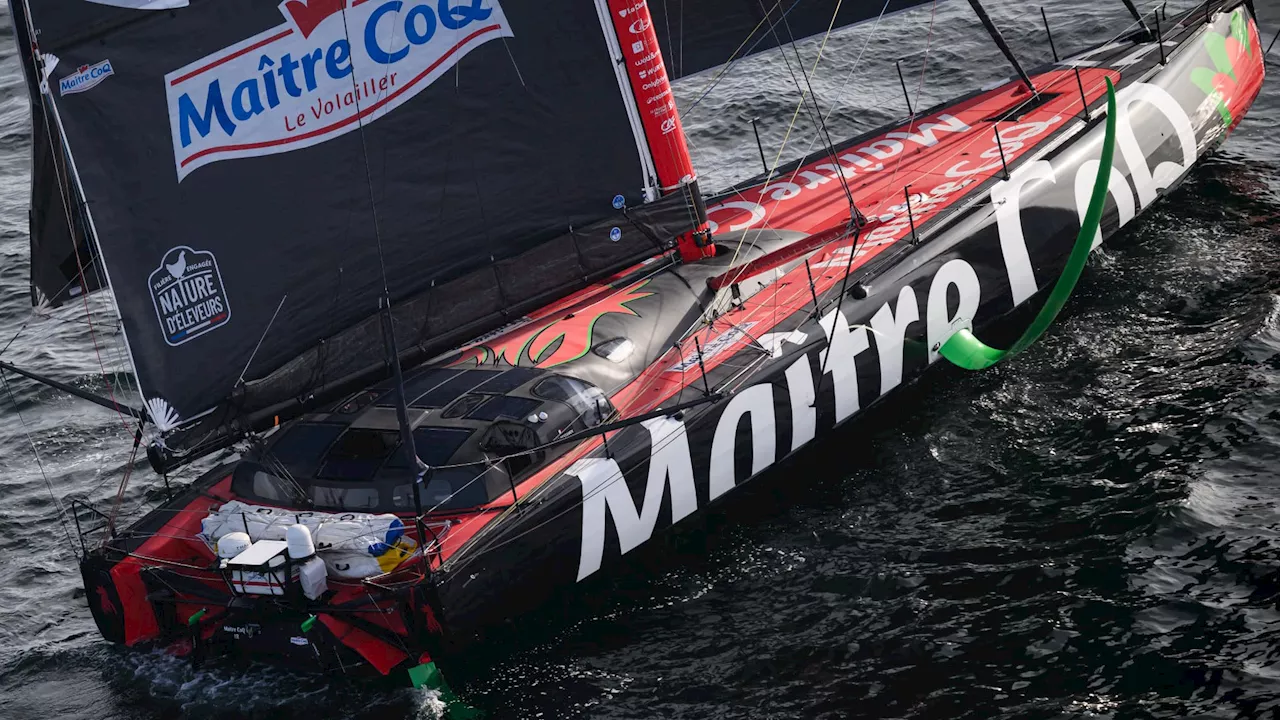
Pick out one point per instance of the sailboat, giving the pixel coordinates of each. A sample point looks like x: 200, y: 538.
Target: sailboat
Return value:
x: 437, y: 281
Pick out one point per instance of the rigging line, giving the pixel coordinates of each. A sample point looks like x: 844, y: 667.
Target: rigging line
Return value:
x: 15, y: 335
x: 368, y: 172
x: 93, y: 336
x: 62, y: 512
x: 738, y: 188
x: 902, y: 157
x: 64, y: 186
x: 671, y: 40
x: 64, y: 189
x: 790, y: 127
x: 124, y: 480
x: 48, y: 304
x: 857, y: 63
x: 820, y: 120
x: 257, y: 347
x: 734, y: 57
x: 682, y: 35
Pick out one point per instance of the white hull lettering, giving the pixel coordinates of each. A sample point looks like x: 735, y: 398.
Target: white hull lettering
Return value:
x: 605, y: 489
x: 843, y: 345
x: 756, y: 403
x: 940, y: 324
x: 890, y: 331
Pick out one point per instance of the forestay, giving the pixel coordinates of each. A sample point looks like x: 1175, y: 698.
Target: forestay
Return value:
x: 250, y: 170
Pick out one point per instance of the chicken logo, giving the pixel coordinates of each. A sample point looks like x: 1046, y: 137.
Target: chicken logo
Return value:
x: 188, y: 295
x: 546, y: 343
x: 1237, y: 69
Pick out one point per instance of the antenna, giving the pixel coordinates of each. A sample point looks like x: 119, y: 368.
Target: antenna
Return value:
x: 994, y: 32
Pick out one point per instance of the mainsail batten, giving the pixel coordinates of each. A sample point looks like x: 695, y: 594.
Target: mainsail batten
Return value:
x: 240, y: 154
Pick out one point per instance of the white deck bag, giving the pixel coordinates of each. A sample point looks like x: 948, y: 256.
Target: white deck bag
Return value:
x: 352, y: 545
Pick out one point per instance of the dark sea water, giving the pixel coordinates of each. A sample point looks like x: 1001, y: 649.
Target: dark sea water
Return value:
x: 1091, y: 530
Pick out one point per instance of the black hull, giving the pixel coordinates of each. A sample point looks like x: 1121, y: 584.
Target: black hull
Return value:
x: 569, y: 530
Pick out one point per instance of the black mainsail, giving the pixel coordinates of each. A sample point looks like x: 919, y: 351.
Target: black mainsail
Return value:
x: 252, y: 171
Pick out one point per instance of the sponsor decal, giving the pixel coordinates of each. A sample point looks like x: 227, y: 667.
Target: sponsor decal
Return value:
x: 709, y: 350
x: 651, y: 88
x: 296, y: 640
x: 247, y: 629
x: 547, y: 344
x: 188, y: 295
x: 84, y: 78
x: 750, y: 208
x: 1236, y: 58
x: 306, y: 81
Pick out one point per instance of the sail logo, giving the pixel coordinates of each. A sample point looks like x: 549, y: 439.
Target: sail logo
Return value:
x: 85, y: 77
x: 188, y: 295
x: 331, y: 67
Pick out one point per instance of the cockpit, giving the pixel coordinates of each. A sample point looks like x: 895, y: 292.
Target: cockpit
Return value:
x: 480, y: 431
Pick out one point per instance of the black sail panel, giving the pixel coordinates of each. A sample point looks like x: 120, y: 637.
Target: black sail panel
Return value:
x: 246, y: 163
x: 700, y: 35
x: 63, y: 261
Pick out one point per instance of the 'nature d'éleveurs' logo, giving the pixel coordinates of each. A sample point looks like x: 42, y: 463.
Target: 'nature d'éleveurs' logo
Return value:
x: 188, y: 294
x: 307, y: 81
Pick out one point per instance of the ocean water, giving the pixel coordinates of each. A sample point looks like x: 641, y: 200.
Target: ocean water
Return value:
x: 1089, y: 531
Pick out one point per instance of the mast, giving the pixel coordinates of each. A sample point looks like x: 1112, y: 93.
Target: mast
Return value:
x: 630, y: 35
x: 994, y: 32
x: 417, y: 467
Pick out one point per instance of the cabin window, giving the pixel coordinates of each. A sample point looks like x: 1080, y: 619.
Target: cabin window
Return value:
x: 251, y: 480
x: 332, y: 497
x: 462, y: 406
x: 358, y: 454
x: 434, y: 445
x: 514, y: 408
x: 301, y: 446
x: 588, y: 401
x: 448, y: 489
x: 271, y: 488
x: 357, y: 402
